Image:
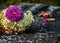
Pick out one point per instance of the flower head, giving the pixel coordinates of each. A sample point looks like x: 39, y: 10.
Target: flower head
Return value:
x: 44, y: 23
x: 14, y: 13
x: 46, y: 15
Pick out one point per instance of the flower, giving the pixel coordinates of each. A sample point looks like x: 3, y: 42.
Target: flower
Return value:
x: 46, y: 15
x: 44, y: 23
x: 28, y: 18
x: 19, y: 26
x: 14, y: 13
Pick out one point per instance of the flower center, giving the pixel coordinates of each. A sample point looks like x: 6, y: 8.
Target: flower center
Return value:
x: 14, y: 13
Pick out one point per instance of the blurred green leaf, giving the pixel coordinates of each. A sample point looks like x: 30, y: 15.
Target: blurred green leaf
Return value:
x: 11, y: 2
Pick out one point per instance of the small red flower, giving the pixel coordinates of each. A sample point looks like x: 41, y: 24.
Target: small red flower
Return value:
x: 46, y: 15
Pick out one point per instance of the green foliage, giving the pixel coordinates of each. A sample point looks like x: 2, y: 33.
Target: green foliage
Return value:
x: 11, y: 2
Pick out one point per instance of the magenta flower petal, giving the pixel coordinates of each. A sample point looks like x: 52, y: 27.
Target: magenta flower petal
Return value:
x: 44, y: 23
x: 14, y: 13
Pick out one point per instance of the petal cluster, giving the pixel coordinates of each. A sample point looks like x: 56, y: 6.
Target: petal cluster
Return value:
x: 19, y: 26
x: 14, y: 13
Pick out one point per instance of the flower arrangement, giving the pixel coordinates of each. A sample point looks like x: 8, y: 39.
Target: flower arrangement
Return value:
x: 14, y: 20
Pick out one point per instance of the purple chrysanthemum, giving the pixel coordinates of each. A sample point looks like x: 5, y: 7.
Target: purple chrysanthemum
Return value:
x: 14, y: 13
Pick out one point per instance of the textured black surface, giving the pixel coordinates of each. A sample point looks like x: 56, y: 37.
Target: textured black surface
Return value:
x: 37, y: 33
x: 29, y: 38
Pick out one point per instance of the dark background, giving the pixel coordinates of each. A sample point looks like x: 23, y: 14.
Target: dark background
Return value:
x: 11, y: 2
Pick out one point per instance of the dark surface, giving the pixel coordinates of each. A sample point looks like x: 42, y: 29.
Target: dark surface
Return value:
x: 37, y: 33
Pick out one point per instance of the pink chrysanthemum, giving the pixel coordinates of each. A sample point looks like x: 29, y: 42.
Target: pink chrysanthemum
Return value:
x: 14, y: 13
